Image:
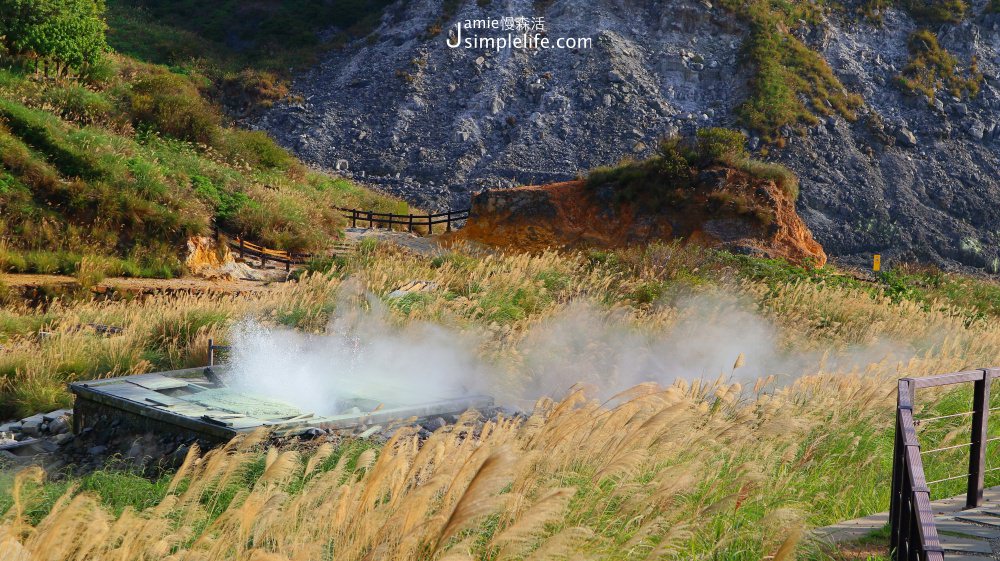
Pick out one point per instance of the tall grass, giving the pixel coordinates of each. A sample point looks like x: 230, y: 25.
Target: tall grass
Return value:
x: 696, y: 468
x: 689, y: 470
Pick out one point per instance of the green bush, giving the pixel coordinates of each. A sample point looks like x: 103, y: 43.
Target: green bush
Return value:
x: 932, y: 69
x: 937, y: 11
x: 257, y: 149
x: 12, y: 261
x: 781, y: 175
x: 172, y: 105
x: 119, y: 490
x: 226, y: 204
x: 100, y: 73
x: 77, y: 103
x: 721, y: 145
x: 667, y: 178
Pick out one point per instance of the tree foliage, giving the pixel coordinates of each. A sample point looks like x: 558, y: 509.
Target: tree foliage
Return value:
x: 67, y: 33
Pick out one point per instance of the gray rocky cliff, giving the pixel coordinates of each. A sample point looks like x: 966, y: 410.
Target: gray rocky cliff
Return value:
x: 910, y: 179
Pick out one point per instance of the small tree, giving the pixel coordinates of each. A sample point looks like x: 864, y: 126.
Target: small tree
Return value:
x: 65, y: 33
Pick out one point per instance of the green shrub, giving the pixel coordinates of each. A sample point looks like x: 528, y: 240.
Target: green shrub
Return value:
x: 66, y: 33
x: 781, y: 175
x: 647, y: 292
x: 12, y: 262
x: 721, y: 145
x: 226, y: 204
x: 121, y: 489
x: 172, y: 105
x: 407, y: 303
x: 101, y: 72
x: 937, y: 11
x: 249, y: 89
x: 257, y: 149
x: 51, y: 262
x: 38, y: 394
x: 77, y: 103
x: 932, y: 69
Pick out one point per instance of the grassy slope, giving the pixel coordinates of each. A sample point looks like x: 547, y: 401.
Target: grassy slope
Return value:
x: 123, y: 169
x: 764, y: 464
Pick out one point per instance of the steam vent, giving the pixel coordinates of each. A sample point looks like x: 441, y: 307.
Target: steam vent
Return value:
x: 198, y: 400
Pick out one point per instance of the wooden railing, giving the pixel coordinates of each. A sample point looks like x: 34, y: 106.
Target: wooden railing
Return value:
x: 214, y: 351
x: 265, y: 254
x: 410, y: 221
x: 913, y: 534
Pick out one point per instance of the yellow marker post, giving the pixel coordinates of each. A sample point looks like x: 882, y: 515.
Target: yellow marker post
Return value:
x: 877, y: 263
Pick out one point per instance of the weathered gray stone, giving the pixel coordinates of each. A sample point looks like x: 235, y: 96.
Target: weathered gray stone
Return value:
x: 62, y: 439
x: 32, y: 428
x: 906, y: 137
x: 976, y: 129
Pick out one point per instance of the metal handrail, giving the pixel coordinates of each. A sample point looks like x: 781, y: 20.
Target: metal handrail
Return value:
x: 913, y: 535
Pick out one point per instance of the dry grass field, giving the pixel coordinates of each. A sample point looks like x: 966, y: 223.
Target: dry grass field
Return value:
x: 737, y: 463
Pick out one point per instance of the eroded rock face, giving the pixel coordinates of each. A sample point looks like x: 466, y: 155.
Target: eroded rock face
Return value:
x: 734, y: 211
x: 913, y: 179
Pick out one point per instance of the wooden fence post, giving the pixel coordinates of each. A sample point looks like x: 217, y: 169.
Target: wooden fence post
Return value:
x: 449, y: 221
x: 430, y: 223
x: 410, y: 225
x: 354, y: 218
x: 897, y: 500
x: 371, y: 224
x: 977, y: 452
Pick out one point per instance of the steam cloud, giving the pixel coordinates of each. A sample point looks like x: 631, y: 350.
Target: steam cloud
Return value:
x: 362, y: 354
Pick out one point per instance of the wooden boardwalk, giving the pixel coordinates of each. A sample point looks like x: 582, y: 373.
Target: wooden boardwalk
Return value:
x: 966, y: 535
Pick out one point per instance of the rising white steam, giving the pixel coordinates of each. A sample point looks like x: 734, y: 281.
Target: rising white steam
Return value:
x: 362, y: 354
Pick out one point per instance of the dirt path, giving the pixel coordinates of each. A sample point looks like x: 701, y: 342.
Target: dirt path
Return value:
x: 191, y: 284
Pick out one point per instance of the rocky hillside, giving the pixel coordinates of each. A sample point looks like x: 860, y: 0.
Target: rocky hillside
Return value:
x: 892, y: 132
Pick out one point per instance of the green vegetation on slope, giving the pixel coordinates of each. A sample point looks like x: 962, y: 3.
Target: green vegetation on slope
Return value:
x: 229, y: 35
x: 117, y: 163
x: 936, y: 11
x: 786, y: 70
x: 792, y: 84
x: 133, y: 165
x: 667, y: 177
x: 933, y: 69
